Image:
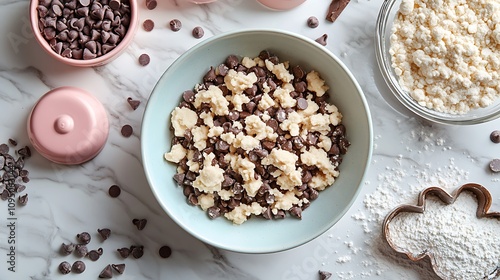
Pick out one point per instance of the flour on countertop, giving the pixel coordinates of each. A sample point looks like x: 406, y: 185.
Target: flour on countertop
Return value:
x: 446, y: 53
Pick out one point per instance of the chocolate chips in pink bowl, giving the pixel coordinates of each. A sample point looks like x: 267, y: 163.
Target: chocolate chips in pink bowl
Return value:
x: 84, y: 32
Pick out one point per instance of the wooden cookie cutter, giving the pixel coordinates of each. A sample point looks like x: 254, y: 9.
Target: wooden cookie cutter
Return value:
x: 484, y: 202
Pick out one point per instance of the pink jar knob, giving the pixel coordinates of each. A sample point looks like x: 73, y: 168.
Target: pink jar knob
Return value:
x: 68, y: 125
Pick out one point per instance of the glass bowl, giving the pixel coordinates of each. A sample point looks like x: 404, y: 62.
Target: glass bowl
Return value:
x: 385, y: 19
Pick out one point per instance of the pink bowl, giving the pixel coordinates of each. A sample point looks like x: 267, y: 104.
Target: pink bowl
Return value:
x: 98, y: 61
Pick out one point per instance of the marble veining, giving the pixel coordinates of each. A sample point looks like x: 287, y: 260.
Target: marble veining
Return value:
x: 65, y: 200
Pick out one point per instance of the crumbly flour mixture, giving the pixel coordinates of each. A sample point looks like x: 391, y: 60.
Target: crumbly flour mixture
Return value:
x: 464, y: 247
x: 446, y: 53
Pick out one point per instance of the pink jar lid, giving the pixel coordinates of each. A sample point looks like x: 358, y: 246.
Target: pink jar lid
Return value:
x: 68, y: 125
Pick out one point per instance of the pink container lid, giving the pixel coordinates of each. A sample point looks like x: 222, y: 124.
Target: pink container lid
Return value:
x: 68, y: 125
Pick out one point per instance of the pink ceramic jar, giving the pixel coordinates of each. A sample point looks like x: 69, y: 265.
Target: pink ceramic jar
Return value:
x: 281, y: 5
x: 36, y: 10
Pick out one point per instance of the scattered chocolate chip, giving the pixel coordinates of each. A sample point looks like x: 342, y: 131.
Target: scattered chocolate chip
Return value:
x: 151, y: 4
x: 104, y: 233
x: 23, y: 199
x: 13, y: 142
x: 134, y: 104
x: 83, y: 237
x: 81, y: 250
x: 335, y: 9
x: 114, y: 191
x: 312, y: 22
x: 495, y: 165
x: 148, y: 25
x: 198, y: 32
x: 94, y: 255
x: 175, y: 25
x: 67, y: 249
x: 322, y: 40
x: 165, y: 251
x: 106, y: 273
x: 4, y: 149
x: 78, y: 267
x: 120, y: 268
x: 140, y: 223
x: 144, y: 59
x: 137, y: 251
x: 495, y: 136
x: 324, y: 275
x: 65, y: 267
x: 127, y: 130
x: 124, y: 252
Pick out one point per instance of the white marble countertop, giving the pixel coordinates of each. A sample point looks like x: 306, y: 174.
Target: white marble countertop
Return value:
x: 409, y: 155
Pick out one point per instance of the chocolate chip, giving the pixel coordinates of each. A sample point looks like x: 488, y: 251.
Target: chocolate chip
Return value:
x: 144, y: 59
x: 198, y: 32
x: 104, y: 233
x: 114, y: 4
x: 213, y: 212
x: 94, y: 255
x: 137, y: 251
x: 12, y: 142
x: 78, y: 267
x: 134, y: 104
x: 495, y: 136
x: 120, y: 268
x: 324, y: 275
x: 175, y: 25
x: 495, y: 165
x: 23, y: 199
x: 127, y: 130
x: 312, y: 22
x: 65, y: 267
x: 140, y: 223
x: 296, y: 212
x: 335, y: 9
x: 232, y: 61
x: 165, y: 251
x: 302, y: 103
x: 148, y: 25
x: 4, y: 149
x: 322, y: 40
x: 81, y: 250
x: 124, y: 252
x: 83, y: 237
x: 151, y: 4
x: 67, y: 249
x: 106, y: 273
x: 114, y: 191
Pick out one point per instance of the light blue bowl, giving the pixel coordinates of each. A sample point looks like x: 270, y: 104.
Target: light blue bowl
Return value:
x: 257, y: 235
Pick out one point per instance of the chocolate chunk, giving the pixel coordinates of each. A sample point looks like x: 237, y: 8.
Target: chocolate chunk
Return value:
x: 78, y: 267
x: 83, y: 237
x: 324, y: 275
x: 104, y: 233
x: 144, y: 59
x: 322, y: 40
x: 302, y: 103
x: 151, y: 4
x: 127, y: 130
x: 495, y: 165
x: 148, y: 25
x: 165, y: 251
x: 94, y: 255
x: 106, y: 273
x: 198, y: 32
x: 124, y: 252
x: 312, y: 22
x: 120, y: 268
x: 23, y: 199
x: 175, y: 25
x: 65, y: 267
x: 81, y: 250
x: 134, y: 104
x: 67, y: 249
x: 140, y: 223
x: 335, y: 9
x: 495, y: 136
x: 114, y: 191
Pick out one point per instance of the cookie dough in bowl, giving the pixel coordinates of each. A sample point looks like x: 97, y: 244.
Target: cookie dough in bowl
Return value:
x: 236, y: 144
